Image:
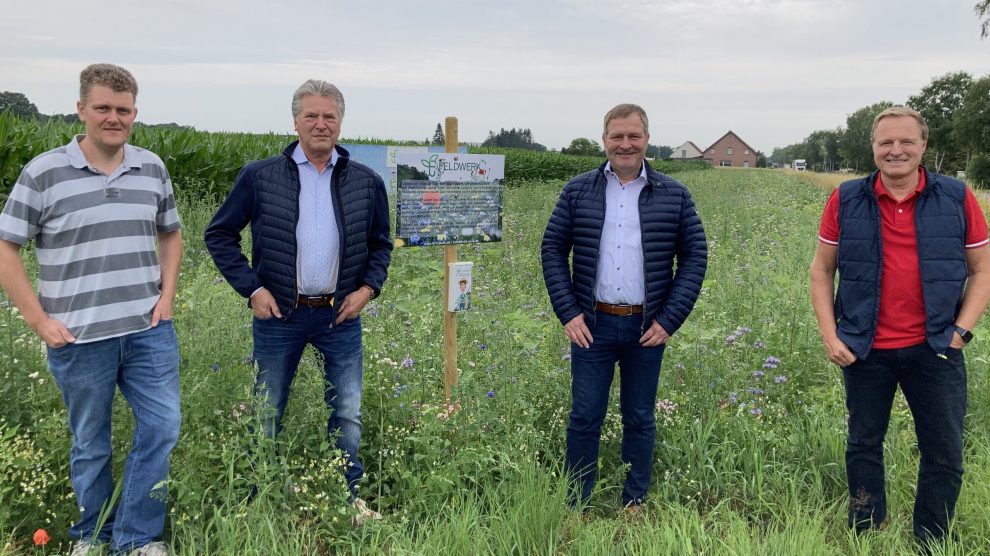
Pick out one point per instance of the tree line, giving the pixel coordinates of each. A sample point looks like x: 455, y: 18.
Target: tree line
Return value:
x: 957, y: 109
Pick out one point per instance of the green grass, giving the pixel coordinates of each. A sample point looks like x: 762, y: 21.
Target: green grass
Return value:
x: 486, y: 479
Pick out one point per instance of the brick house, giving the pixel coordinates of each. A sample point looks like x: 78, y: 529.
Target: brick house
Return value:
x: 731, y: 151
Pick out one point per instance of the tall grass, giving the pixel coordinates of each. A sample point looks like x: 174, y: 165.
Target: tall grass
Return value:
x: 746, y: 463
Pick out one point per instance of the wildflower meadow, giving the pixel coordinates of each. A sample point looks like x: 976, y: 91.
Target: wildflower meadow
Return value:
x: 751, y: 416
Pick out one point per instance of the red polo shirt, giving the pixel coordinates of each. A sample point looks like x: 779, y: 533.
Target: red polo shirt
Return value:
x: 901, y: 322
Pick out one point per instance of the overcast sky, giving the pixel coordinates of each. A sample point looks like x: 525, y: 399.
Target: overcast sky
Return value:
x: 770, y: 70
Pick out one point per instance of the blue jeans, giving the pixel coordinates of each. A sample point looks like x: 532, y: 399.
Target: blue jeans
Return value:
x: 592, y: 369
x: 278, y: 346
x: 935, y: 390
x: 145, y: 366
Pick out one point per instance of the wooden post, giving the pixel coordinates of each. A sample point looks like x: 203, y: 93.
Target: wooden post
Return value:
x: 449, y: 317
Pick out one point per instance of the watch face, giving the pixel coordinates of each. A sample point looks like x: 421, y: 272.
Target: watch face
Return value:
x: 966, y: 335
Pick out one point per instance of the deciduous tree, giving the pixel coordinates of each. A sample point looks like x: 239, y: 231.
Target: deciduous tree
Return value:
x: 854, y: 146
x: 938, y: 102
x: 18, y: 104
x: 585, y: 147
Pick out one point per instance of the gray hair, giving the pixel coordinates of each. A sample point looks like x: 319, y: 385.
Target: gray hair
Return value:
x: 624, y: 110
x: 900, y: 111
x: 116, y: 78
x: 319, y: 88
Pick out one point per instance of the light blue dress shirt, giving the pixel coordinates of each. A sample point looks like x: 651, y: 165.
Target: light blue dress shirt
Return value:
x: 317, y: 237
x: 621, y: 278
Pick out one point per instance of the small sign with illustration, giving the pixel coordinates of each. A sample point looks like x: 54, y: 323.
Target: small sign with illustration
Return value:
x: 444, y: 199
x: 459, y: 286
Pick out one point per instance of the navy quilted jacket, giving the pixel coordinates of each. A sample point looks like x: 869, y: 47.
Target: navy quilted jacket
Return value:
x: 266, y: 195
x: 671, y: 229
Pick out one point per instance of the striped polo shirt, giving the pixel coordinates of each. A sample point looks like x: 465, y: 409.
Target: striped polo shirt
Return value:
x: 95, y: 237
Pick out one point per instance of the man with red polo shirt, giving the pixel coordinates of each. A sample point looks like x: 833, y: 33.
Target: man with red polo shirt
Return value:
x: 912, y: 254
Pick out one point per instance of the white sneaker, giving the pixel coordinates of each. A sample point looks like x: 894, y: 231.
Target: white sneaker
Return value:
x: 86, y: 548
x: 364, y: 513
x: 156, y: 548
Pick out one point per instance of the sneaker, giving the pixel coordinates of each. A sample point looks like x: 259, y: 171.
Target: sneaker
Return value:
x: 364, y: 513
x: 156, y: 548
x: 87, y: 548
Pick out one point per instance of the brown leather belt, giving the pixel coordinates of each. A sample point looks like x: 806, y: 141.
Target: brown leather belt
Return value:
x: 619, y: 310
x: 314, y: 300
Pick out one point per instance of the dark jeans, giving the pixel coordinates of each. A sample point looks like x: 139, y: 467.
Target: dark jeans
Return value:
x: 592, y: 369
x: 935, y: 389
x: 278, y: 346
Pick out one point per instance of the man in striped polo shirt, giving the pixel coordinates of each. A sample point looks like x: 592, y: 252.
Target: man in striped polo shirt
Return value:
x: 106, y: 232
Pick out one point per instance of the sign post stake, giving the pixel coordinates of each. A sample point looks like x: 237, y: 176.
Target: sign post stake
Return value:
x: 449, y: 317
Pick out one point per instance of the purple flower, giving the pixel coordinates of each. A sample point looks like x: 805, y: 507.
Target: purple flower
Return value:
x: 408, y: 362
x: 756, y: 411
x: 743, y: 330
x: 215, y: 367
x: 757, y: 375
x: 758, y: 344
x: 780, y: 379
x: 755, y: 391
x: 730, y: 340
x: 483, y: 347
x: 491, y: 394
x: 733, y: 397
x: 771, y: 362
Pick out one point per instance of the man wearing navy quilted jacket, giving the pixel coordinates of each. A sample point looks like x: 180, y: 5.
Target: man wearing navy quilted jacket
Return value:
x: 625, y: 226
x: 320, y: 251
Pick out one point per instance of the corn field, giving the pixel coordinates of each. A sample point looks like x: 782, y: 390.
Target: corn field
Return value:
x: 212, y: 159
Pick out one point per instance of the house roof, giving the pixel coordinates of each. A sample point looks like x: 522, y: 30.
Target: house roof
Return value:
x: 732, y: 133
x: 693, y: 146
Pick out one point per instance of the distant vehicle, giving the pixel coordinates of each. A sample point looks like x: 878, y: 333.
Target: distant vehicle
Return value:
x: 800, y: 164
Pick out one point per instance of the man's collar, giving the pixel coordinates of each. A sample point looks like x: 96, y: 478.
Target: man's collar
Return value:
x: 880, y: 190
x: 299, y: 156
x: 608, y: 171
x: 78, y: 159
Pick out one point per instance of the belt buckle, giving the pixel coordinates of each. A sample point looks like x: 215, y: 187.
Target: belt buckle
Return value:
x: 318, y: 300
x: 624, y: 310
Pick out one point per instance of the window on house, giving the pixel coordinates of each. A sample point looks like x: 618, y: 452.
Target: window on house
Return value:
x: 728, y: 151
x: 745, y: 151
x: 725, y: 163
x: 683, y: 153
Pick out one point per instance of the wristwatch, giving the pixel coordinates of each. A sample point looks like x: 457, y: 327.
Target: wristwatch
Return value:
x: 967, y: 336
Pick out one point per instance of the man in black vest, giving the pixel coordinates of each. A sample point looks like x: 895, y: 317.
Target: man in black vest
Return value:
x: 914, y: 277
x: 320, y: 252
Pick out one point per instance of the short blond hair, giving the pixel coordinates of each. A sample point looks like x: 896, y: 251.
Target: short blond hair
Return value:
x: 118, y: 79
x: 624, y: 110
x: 895, y: 111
